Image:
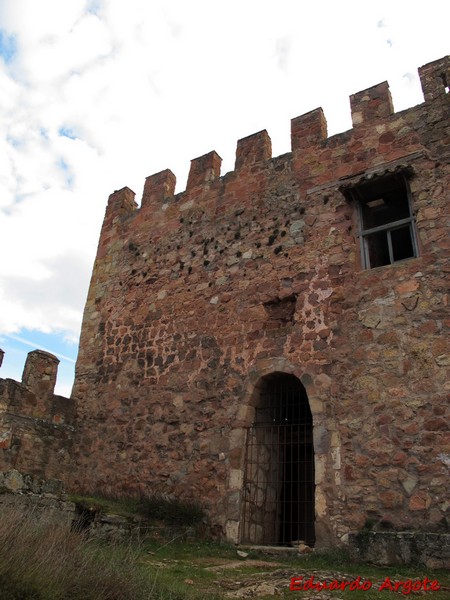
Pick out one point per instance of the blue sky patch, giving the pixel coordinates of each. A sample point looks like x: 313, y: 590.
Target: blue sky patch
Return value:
x: 93, y: 7
x: 67, y: 171
x: 17, y: 346
x: 8, y: 46
x: 14, y: 142
x: 67, y: 132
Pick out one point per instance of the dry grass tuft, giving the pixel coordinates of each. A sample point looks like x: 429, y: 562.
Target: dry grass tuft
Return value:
x: 43, y: 560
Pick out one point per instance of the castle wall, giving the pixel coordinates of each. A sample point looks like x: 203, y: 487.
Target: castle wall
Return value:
x: 36, y: 426
x: 195, y: 297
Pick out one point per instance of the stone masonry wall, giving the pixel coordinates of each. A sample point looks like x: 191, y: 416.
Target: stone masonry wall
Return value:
x: 36, y: 425
x: 195, y: 297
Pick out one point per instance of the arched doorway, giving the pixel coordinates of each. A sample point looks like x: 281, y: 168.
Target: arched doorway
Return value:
x: 278, y: 503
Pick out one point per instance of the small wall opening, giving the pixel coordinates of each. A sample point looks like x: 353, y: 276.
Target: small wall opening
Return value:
x: 278, y: 503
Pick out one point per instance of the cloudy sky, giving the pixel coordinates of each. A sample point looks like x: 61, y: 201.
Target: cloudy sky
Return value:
x: 99, y: 94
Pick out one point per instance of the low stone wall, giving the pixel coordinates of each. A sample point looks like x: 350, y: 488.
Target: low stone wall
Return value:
x: 16, y: 482
x: 24, y: 494
x: 400, y: 548
x: 27, y: 494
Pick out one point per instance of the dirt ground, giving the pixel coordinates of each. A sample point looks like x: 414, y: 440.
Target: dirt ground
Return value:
x: 271, y: 578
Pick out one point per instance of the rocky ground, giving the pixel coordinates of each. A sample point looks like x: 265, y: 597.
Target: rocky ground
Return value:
x: 246, y: 577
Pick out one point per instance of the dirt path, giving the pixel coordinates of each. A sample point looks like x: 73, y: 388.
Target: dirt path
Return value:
x: 272, y: 580
x: 241, y: 577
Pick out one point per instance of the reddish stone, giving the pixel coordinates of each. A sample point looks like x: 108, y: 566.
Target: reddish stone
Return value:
x: 436, y: 425
x: 391, y: 500
x: 407, y: 287
x: 399, y: 458
x: 419, y: 501
x: 384, y: 419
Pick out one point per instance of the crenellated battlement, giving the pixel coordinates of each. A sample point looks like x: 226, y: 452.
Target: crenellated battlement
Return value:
x: 158, y: 188
x: 372, y: 104
x: 204, y: 169
x: 435, y: 78
x: 34, y: 396
x: 370, y: 108
x: 251, y: 150
x: 308, y: 130
x: 39, y: 374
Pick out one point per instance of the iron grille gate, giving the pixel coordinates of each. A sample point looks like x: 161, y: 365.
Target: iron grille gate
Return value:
x: 279, y: 474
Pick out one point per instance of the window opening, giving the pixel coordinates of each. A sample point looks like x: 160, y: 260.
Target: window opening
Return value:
x: 279, y: 487
x: 444, y: 81
x: 387, y: 232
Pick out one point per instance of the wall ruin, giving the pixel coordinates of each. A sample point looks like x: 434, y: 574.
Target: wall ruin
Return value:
x: 36, y: 426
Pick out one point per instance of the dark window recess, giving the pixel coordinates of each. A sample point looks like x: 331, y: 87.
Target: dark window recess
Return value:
x: 387, y: 232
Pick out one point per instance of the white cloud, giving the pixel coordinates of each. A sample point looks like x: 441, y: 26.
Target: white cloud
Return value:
x: 100, y: 95
x: 31, y: 345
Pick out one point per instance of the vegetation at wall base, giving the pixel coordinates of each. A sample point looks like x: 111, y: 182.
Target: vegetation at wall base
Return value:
x: 153, y: 507
x: 172, y: 511
x: 11, y: 589
x: 41, y: 559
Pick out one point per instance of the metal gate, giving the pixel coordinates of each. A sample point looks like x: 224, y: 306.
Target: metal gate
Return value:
x: 279, y: 473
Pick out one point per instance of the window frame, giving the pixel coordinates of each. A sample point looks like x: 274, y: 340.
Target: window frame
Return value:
x: 388, y: 227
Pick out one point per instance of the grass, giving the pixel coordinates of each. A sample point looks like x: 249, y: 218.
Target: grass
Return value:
x: 155, y: 507
x: 43, y: 560
x: 126, y: 507
x: 173, y: 512
x: 194, y: 560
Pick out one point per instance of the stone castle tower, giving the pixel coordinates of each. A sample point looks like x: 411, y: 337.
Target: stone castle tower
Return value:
x: 271, y: 342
